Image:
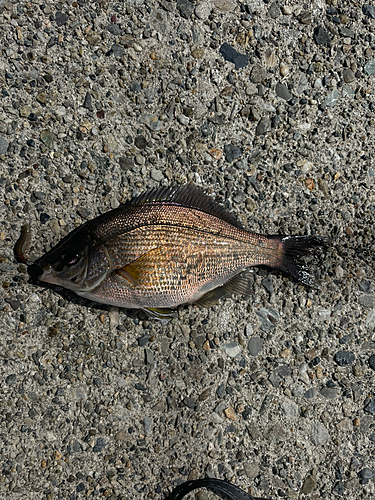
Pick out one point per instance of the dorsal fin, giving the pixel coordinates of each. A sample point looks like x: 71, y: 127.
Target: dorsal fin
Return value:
x: 187, y: 196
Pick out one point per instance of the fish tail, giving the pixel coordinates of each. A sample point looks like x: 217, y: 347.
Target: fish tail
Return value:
x: 292, y: 249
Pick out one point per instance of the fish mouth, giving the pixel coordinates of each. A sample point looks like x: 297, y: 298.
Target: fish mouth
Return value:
x: 48, y: 277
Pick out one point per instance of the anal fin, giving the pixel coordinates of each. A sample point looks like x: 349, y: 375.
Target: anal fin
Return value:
x: 240, y: 284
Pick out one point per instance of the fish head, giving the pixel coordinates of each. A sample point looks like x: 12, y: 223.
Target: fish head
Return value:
x: 77, y: 263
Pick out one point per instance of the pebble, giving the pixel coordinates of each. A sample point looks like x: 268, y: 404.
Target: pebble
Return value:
x: 274, y: 11
x: 126, y: 163
x: 184, y: 120
x: 255, y: 345
x: 232, y: 349
x: 371, y: 362
x: 152, y: 122
x: 48, y: 138
x: 60, y: 110
x: 283, y: 92
x: 99, y: 445
x: 263, y: 126
x: 203, y: 10
x: 310, y: 393
x: 232, y: 152
x: 141, y: 142
x: 185, y: 8
x: 367, y: 301
x: 3, y: 145
x: 332, y: 97
x: 230, y: 413
x: 257, y: 74
x: 369, y: 10
x: 224, y: 5
x: 157, y: 175
x: 318, y: 434
x: 344, y: 358
x: 329, y: 392
x: 321, y: 37
x: 309, y: 485
x: 366, y: 473
x: 117, y: 50
x: 268, y: 318
x: 305, y: 17
x: 370, y: 406
x: 61, y: 18
x: 370, y: 320
x: 369, y: 68
x: 87, y: 103
x: 348, y: 75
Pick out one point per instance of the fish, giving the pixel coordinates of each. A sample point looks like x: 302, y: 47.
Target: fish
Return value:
x: 167, y: 247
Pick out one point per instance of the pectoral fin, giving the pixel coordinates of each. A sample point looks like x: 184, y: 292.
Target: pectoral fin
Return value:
x: 134, y: 270
x: 240, y: 284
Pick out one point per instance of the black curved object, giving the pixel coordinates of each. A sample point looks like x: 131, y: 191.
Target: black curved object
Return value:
x: 216, y: 485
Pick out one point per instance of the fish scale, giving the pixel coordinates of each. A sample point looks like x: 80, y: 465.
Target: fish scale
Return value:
x: 167, y: 247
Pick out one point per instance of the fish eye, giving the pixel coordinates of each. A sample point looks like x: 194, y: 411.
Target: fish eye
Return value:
x: 71, y: 258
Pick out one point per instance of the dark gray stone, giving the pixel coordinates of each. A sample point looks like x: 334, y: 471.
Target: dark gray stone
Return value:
x: 309, y: 394
x: 366, y: 473
x: 338, y: 489
x: 321, y: 36
x: 257, y: 74
x: 283, y: 92
x: 344, y: 358
x: 255, y: 345
x: 190, y: 403
x: 114, y: 29
x: 231, y: 55
x: 11, y: 379
x: 348, y: 75
x: 367, y: 301
x: 87, y: 103
x: 142, y: 341
x: 125, y: 162
x: 279, y: 374
x: 370, y: 406
x: 274, y: 11
x: 185, y: 8
x: 365, y: 286
x: 369, y: 10
x: 232, y: 152
x: 329, y: 392
x: 97, y: 381
x: 99, y: 445
x: 371, y: 362
x: 263, y: 126
x: 268, y: 284
x: 3, y: 145
x: 61, y: 18
x: 141, y: 142
x: 117, y: 50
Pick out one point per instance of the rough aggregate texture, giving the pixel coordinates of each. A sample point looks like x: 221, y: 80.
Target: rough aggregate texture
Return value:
x: 102, y: 100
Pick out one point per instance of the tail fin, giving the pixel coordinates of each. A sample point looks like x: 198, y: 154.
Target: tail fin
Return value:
x: 295, y: 247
